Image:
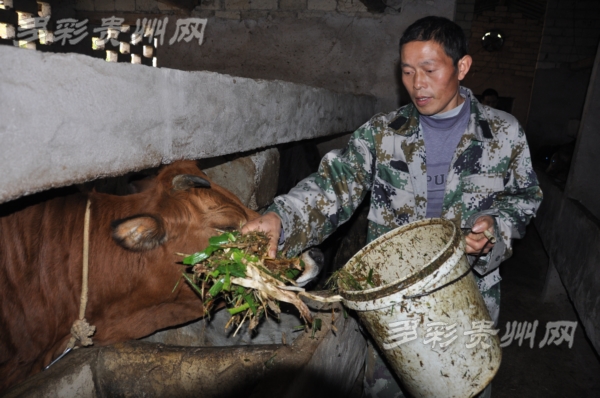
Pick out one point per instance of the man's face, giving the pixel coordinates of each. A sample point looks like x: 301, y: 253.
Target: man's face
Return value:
x: 490, y: 100
x: 430, y: 77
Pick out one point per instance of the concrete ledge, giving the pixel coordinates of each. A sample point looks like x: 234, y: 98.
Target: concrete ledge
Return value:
x: 571, y: 236
x: 69, y: 118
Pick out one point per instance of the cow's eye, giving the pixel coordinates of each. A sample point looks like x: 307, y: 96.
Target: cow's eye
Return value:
x: 226, y: 228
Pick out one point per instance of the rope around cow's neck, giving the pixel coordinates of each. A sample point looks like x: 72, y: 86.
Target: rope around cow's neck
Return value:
x: 81, y: 329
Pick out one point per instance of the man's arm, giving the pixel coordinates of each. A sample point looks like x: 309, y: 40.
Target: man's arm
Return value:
x: 512, y: 209
x: 313, y: 209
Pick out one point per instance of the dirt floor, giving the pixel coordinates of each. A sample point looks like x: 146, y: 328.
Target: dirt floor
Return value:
x: 550, y: 371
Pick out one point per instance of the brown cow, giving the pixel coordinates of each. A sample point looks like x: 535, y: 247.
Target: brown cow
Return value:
x: 132, y: 265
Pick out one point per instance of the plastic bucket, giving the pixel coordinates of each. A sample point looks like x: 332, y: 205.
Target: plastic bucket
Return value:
x: 441, y: 344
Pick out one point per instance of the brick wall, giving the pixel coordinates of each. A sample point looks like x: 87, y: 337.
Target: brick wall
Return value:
x: 341, y: 45
x: 464, y: 15
x: 241, y: 9
x: 125, y: 6
x: 522, y: 42
x: 253, y: 9
x: 509, y: 71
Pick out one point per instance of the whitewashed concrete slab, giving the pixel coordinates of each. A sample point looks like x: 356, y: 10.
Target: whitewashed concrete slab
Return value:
x: 69, y: 118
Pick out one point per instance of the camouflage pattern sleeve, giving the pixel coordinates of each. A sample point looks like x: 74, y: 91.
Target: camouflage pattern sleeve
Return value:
x: 514, y: 207
x: 313, y: 209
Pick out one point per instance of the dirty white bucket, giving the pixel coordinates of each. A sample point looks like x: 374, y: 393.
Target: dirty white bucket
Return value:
x: 441, y: 344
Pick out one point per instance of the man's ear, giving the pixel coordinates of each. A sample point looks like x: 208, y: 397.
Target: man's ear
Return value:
x: 464, y: 64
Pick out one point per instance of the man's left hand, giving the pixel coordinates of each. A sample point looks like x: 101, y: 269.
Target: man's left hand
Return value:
x: 476, y: 240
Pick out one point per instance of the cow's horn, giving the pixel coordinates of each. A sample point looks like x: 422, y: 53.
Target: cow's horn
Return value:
x: 181, y: 182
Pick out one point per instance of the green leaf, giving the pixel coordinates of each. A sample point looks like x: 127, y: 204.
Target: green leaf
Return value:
x: 235, y: 269
x: 227, y: 283
x: 223, y: 239
x: 269, y: 363
x: 239, y: 309
x: 348, y: 280
x: 199, y: 256
x: 250, y: 301
x: 291, y: 273
x: 370, y: 278
x: 237, y: 255
x: 192, y: 284
x: 177, y: 284
x: 217, y: 287
x: 218, y: 240
x: 316, y: 326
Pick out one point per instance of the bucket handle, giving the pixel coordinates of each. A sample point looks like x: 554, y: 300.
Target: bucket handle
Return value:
x: 414, y: 296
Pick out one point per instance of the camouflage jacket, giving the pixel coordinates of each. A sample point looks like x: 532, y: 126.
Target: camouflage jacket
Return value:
x: 490, y: 173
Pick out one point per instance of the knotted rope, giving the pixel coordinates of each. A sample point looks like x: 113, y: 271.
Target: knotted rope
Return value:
x: 81, y: 329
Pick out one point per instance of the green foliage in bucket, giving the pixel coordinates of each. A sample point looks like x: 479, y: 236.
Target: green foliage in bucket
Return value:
x: 361, y: 278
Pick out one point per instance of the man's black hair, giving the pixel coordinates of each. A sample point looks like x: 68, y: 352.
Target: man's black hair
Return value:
x: 490, y: 92
x: 441, y: 30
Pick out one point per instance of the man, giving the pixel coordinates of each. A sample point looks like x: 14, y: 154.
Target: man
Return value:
x: 490, y: 97
x: 443, y: 155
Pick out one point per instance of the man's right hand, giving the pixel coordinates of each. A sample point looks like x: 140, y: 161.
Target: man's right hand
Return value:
x: 270, y: 224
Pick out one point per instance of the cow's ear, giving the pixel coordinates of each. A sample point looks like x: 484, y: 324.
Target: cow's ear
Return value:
x: 181, y: 182
x: 139, y: 233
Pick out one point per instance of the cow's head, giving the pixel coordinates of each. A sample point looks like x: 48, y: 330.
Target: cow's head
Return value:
x: 179, y: 205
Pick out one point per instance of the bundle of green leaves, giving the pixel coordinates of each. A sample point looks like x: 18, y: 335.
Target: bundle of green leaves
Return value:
x: 235, y: 267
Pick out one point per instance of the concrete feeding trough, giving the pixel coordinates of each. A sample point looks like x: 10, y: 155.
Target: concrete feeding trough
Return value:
x: 324, y: 364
